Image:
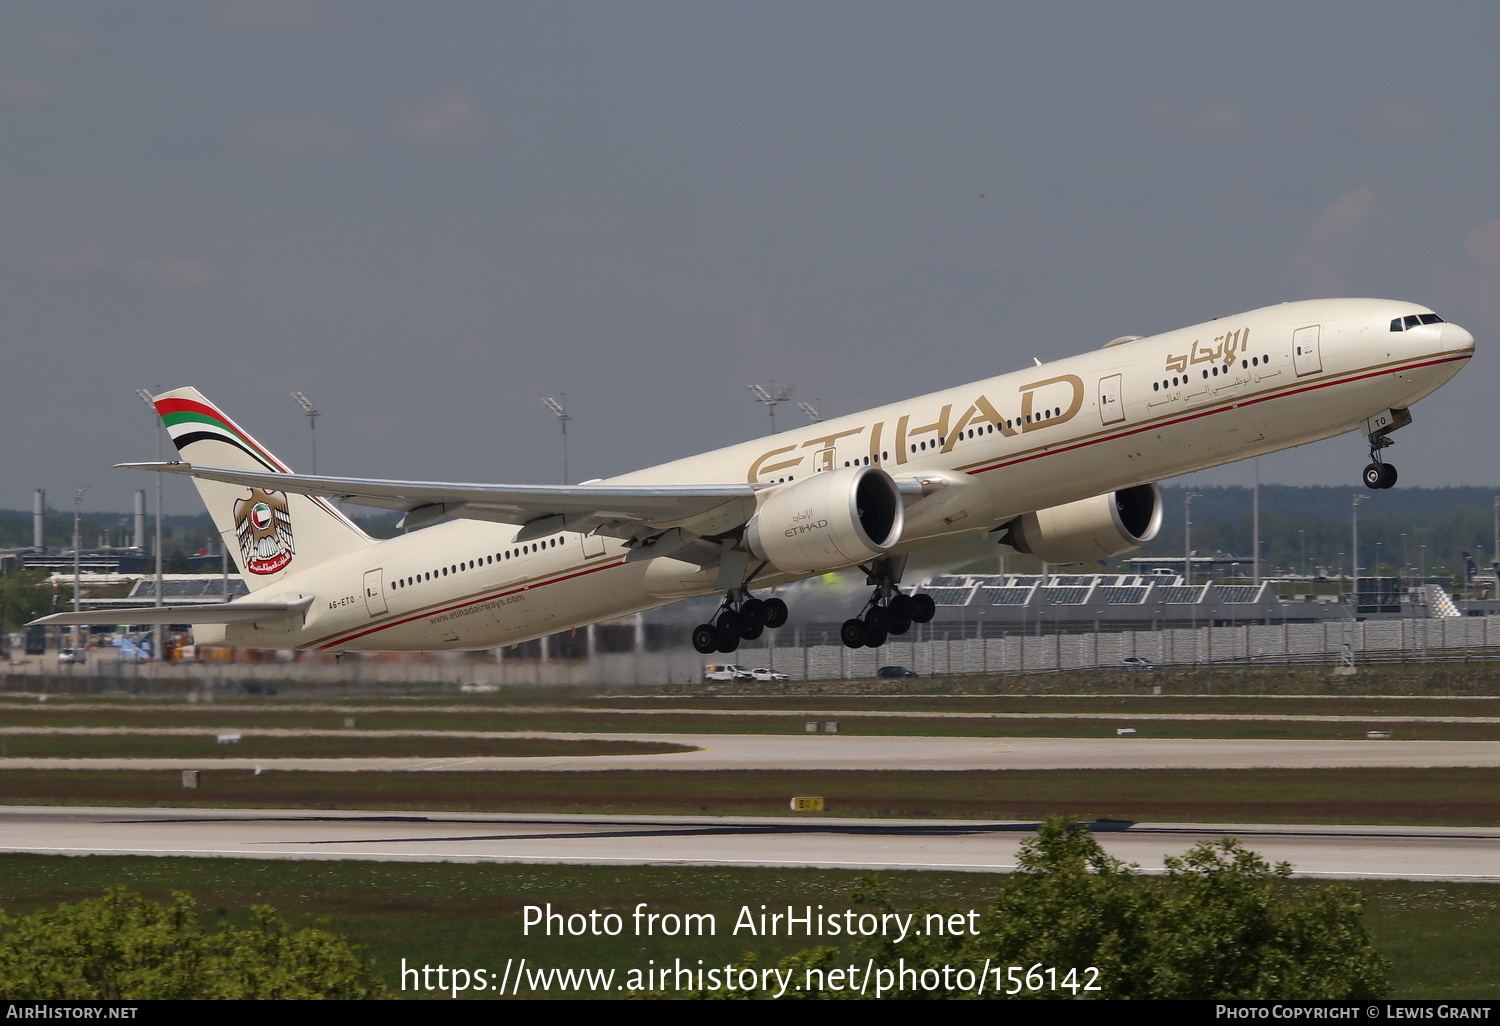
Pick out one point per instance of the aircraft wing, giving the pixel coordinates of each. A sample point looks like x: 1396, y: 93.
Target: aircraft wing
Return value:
x: 218, y: 612
x: 619, y: 511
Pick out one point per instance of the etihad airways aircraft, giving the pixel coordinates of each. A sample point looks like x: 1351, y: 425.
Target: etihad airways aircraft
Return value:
x: 1058, y: 460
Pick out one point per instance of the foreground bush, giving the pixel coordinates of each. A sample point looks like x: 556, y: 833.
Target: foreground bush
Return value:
x: 1222, y: 923
x: 126, y: 947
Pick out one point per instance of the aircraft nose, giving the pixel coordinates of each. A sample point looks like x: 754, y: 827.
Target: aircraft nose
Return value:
x: 1456, y: 339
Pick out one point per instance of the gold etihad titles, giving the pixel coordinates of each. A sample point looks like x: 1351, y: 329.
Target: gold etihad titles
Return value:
x: 1044, y: 403
x: 1226, y: 348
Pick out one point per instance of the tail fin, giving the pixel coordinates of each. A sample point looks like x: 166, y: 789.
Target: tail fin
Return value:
x: 274, y: 533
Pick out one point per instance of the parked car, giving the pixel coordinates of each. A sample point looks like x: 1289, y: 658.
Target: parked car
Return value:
x: 73, y: 655
x: 1137, y: 663
x: 895, y: 671
x: 726, y: 671
x: 766, y: 673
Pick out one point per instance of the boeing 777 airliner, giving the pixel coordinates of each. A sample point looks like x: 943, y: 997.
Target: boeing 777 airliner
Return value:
x: 1059, y: 461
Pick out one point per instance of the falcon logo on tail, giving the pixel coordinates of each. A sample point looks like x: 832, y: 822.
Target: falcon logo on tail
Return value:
x: 263, y: 524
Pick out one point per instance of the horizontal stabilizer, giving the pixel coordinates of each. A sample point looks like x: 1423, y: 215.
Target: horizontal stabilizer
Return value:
x: 219, y: 612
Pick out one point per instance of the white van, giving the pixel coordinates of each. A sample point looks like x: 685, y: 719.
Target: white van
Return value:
x: 726, y: 671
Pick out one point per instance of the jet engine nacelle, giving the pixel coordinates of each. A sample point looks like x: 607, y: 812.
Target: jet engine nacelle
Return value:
x: 1091, y: 529
x: 827, y: 521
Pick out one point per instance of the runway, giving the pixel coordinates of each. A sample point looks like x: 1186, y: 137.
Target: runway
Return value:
x: 1357, y: 852
x: 866, y: 752
x: 1409, y: 852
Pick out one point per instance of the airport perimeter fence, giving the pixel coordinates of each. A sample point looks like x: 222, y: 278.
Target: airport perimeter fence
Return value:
x: 809, y: 654
x: 1329, y: 642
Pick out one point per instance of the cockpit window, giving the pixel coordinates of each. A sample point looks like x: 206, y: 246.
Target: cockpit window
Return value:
x: 1413, y: 320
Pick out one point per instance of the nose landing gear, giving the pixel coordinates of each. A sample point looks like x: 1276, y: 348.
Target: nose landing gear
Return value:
x: 1380, y: 474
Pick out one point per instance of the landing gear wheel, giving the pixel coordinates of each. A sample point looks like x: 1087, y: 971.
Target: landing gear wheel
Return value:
x: 878, y: 619
x: 874, y: 636
x: 729, y: 622
x: 1380, y: 475
x: 753, y: 613
x: 776, y: 613
x: 852, y: 634
x: 750, y: 631
x: 925, y: 609
x: 902, y: 607
x: 727, y: 642
x: 706, y: 638
x: 899, y: 625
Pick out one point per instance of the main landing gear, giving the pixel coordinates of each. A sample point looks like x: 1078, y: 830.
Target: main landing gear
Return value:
x: 741, y: 617
x: 888, y: 611
x: 884, y: 615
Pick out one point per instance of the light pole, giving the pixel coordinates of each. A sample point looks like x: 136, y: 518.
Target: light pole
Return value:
x: 813, y: 415
x: 1187, y: 537
x: 1354, y: 555
x: 771, y: 395
x: 156, y: 420
x: 1255, y: 520
x: 312, y: 423
x: 560, y: 410
x: 1302, y: 537
x: 77, y: 543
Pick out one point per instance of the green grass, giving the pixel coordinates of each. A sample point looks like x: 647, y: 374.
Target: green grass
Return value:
x: 1419, y: 797
x: 1443, y: 939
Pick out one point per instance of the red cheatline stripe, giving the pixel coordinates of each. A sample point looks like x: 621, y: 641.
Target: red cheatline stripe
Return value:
x: 1157, y: 425
x: 463, y: 605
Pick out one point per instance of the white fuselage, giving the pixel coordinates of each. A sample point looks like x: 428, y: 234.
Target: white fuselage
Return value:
x: 1128, y: 414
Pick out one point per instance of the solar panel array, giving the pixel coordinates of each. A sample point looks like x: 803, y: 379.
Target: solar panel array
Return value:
x: 1007, y: 596
x: 1179, y: 594
x: 949, y: 596
x: 1075, y: 589
x: 1066, y: 596
x: 209, y: 587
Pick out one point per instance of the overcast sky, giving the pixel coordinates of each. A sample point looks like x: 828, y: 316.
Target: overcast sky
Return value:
x: 428, y: 216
